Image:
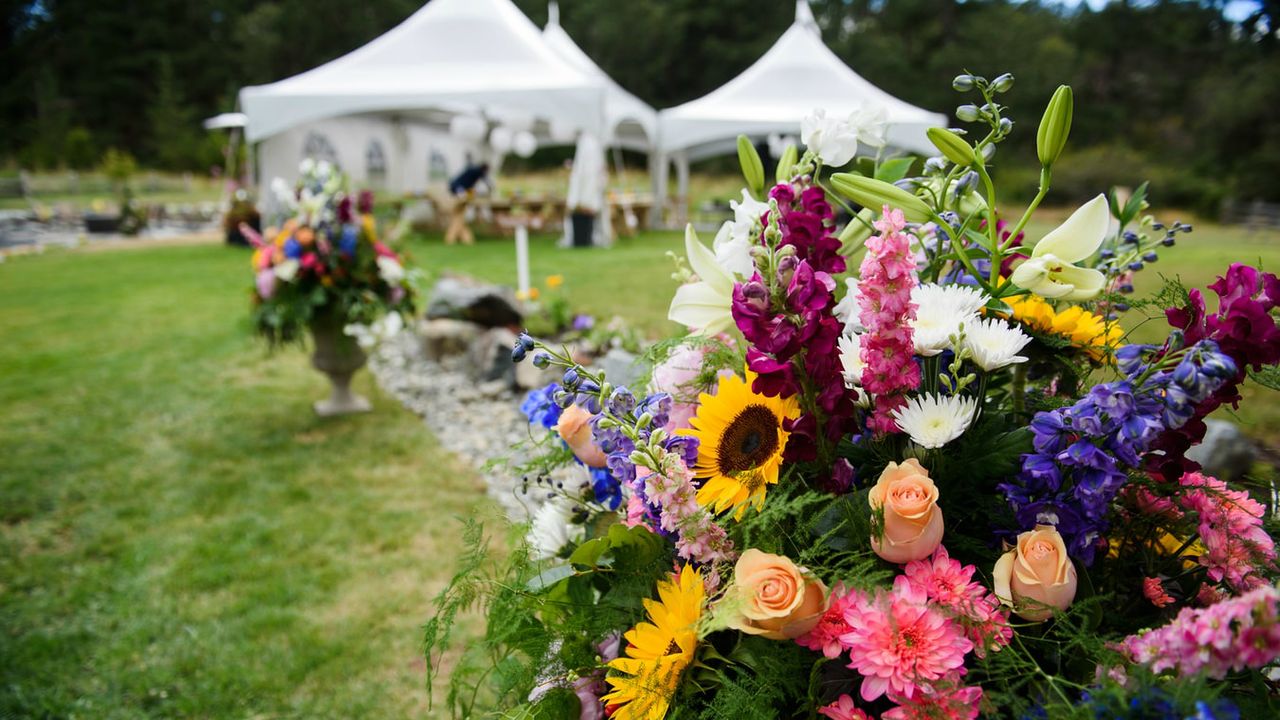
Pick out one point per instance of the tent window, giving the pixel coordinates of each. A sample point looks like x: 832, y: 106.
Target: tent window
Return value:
x: 317, y: 147
x: 437, y: 167
x: 375, y: 163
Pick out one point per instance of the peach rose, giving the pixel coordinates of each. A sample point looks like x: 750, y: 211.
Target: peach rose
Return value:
x: 575, y: 428
x: 1038, y: 572
x: 912, y: 519
x: 778, y: 599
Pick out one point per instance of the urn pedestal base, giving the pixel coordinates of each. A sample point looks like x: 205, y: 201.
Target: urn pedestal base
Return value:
x: 338, y: 356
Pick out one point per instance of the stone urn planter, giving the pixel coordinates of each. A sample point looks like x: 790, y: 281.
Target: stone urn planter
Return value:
x: 338, y: 356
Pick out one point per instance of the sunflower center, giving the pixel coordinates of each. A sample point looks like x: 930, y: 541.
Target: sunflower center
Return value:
x: 673, y: 648
x: 750, y: 439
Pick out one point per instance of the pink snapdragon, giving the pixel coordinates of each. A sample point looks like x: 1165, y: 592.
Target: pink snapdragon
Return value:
x: 899, y: 644
x: 1230, y: 526
x: 1153, y: 591
x: 698, y: 537
x: 1234, y: 634
x: 886, y: 278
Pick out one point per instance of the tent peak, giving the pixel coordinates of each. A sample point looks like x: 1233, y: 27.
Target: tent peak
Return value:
x: 553, y: 13
x: 804, y: 17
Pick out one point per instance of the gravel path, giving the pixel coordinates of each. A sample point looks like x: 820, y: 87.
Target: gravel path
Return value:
x: 477, y: 422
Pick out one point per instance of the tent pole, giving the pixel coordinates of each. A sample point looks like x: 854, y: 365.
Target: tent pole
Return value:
x: 682, y: 187
x: 658, y: 163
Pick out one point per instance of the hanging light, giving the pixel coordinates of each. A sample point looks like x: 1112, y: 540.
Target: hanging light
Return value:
x: 524, y: 144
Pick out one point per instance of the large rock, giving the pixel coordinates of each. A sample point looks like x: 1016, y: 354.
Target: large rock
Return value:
x: 444, y: 337
x: 459, y: 298
x: 1225, y: 453
x: 622, y: 368
x: 489, y: 357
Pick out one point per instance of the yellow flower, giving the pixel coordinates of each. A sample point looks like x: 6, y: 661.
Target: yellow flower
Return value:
x: 530, y: 294
x: 740, y: 444
x: 1096, y: 335
x: 554, y: 281
x: 657, y: 651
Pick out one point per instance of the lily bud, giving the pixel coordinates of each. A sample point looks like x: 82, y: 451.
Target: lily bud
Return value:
x: 786, y: 164
x: 856, y: 232
x: 962, y: 83
x: 1003, y: 83
x: 967, y: 113
x: 1055, y: 126
x: 752, y: 167
x: 956, y: 150
x: 874, y: 194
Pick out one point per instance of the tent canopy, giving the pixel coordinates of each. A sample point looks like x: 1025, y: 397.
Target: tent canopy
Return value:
x: 798, y: 74
x: 629, y: 121
x: 458, y: 55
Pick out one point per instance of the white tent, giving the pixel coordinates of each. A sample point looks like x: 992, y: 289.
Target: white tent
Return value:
x: 456, y: 55
x: 798, y: 74
x: 630, y: 122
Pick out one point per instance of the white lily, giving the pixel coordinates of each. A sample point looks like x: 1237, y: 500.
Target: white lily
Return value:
x: 871, y: 124
x: 703, y: 306
x: 1050, y: 271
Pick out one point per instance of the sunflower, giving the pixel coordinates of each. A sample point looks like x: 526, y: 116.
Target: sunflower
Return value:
x: 1093, y: 333
x: 740, y: 443
x: 658, y: 651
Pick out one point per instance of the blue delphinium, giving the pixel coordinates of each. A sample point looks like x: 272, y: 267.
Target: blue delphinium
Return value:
x: 1152, y: 703
x: 606, y: 488
x: 1084, y: 452
x: 540, y: 407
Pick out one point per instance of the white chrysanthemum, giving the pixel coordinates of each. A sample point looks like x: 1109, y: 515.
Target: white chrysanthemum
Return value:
x: 993, y: 344
x: 550, y: 529
x: 933, y: 420
x: 940, y: 309
x: 847, y: 310
x: 381, y: 330
x: 850, y: 346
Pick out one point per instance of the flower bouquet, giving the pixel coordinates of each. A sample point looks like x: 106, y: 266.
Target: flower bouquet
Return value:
x: 946, y: 487
x: 326, y: 271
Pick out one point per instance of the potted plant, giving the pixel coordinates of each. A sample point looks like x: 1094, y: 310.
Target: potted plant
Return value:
x: 242, y: 212
x: 324, y: 271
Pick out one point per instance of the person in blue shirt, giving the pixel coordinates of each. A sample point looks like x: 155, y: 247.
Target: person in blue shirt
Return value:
x: 463, y: 188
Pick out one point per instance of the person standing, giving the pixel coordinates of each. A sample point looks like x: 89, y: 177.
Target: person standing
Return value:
x: 462, y: 189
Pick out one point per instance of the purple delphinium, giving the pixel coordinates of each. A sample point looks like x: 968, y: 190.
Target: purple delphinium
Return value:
x: 1084, y: 452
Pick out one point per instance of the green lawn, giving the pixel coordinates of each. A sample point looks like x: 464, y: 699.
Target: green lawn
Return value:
x: 179, y: 535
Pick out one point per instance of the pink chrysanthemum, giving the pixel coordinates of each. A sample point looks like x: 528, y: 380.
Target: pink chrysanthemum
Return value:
x: 901, y: 645
x: 942, y: 704
x: 825, y: 636
x: 950, y: 586
x: 844, y: 709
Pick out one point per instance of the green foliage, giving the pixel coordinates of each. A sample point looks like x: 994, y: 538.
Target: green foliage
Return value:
x: 78, y: 149
x: 119, y: 167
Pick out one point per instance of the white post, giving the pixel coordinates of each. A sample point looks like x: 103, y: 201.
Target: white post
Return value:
x: 522, y: 260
